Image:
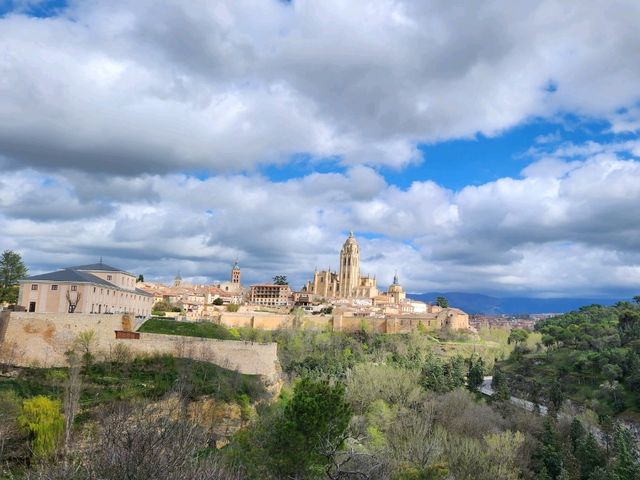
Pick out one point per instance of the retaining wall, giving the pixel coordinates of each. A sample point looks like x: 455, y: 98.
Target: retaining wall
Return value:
x: 41, y: 338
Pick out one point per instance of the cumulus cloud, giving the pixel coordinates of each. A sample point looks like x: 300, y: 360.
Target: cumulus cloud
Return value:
x: 227, y: 86
x: 553, y: 231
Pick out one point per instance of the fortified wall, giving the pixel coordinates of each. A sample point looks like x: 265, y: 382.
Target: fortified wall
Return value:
x: 449, y: 317
x: 43, y: 338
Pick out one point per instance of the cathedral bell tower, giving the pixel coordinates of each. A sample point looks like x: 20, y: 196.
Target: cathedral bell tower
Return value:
x: 349, y: 267
x: 235, y: 274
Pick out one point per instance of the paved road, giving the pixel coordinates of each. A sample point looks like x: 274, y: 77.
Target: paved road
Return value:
x: 525, y: 404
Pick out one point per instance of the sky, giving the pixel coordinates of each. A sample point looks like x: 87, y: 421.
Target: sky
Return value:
x: 486, y: 147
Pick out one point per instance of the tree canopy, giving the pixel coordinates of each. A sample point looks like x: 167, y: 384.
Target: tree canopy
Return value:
x: 12, y: 269
x: 280, y: 280
x: 442, y: 302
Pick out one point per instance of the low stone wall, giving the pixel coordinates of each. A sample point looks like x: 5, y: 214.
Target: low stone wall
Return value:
x: 40, y: 338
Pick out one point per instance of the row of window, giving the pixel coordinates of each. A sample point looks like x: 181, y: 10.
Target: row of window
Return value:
x: 74, y: 288
x: 55, y: 287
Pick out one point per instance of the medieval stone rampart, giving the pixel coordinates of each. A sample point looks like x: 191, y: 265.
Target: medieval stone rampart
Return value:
x: 41, y: 338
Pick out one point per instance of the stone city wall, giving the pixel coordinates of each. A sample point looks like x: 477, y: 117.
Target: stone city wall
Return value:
x: 341, y: 323
x: 42, y: 338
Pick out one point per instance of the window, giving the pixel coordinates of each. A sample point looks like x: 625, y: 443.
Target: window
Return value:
x: 94, y: 289
x: 109, y: 277
x: 54, y: 287
x: 32, y: 306
x: 72, y: 308
x: 34, y: 287
x: 74, y: 288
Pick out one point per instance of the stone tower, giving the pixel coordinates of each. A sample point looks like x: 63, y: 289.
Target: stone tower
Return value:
x: 235, y: 274
x: 349, y: 267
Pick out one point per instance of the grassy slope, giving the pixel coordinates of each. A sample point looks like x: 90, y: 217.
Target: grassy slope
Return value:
x: 196, y: 329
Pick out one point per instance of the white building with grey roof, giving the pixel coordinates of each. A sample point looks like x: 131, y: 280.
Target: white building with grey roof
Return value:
x: 95, y: 288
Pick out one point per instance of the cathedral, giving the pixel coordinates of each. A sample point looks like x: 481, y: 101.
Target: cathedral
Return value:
x: 347, y: 283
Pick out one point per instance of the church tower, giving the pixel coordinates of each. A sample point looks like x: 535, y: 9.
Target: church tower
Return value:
x: 349, y: 267
x: 235, y: 274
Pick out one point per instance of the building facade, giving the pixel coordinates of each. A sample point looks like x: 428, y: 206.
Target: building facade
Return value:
x: 95, y: 288
x: 348, y: 282
x: 270, y: 295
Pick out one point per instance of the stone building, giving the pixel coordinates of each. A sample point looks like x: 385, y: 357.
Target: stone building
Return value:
x: 95, y: 288
x: 347, y: 282
x: 233, y: 286
x: 270, y: 295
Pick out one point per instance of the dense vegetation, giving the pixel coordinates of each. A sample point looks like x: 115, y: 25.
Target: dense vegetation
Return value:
x: 353, y: 406
x: 591, y: 356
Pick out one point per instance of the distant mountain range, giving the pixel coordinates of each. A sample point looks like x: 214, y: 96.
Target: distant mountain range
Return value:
x: 478, y: 303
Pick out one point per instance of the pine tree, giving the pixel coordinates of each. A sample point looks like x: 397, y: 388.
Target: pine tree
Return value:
x: 12, y: 269
x: 476, y: 373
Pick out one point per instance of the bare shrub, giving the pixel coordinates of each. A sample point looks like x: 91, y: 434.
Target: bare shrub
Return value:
x: 121, y: 354
x: 458, y: 412
x: 72, y: 390
x: 137, y: 443
x: 367, y: 383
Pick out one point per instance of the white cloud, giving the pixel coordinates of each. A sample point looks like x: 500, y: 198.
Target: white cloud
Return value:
x: 227, y: 86
x: 562, y: 231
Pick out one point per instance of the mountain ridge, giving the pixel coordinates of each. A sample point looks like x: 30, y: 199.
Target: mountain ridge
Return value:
x: 478, y: 303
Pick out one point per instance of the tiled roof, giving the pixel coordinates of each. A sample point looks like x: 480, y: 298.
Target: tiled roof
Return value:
x: 72, y: 275
x: 69, y: 275
x: 99, y: 267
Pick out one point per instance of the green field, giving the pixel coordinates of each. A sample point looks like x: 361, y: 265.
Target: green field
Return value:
x: 188, y: 329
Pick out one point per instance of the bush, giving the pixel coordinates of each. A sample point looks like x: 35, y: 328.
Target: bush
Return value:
x: 40, y: 417
x: 233, y: 307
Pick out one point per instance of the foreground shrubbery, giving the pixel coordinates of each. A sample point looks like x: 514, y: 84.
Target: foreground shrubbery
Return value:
x: 357, y: 406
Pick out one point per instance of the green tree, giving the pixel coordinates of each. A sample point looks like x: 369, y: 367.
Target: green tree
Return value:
x: 556, y: 396
x: 589, y: 455
x: 548, y: 457
x: 140, y: 278
x: 218, y: 301
x: 433, y: 376
x: 442, y: 302
x: 280, y: 280
x: 314, y: 421
x: 636, y: 299
x: 12, y: 269
x: 518, y: 336
x: 476, y: 372
x: 456, y: 372
x: 500, y: 385
x: 40, y: 417
x: 626, y: 466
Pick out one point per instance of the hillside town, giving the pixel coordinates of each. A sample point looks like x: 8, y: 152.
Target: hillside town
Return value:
x: 101, y: 288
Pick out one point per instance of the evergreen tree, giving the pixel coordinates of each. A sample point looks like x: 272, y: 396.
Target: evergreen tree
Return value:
x: 456, y: 371
x: 500, y: 385
x: 576, y: 433
x: 442, y: 302
x: 627, y: 466
x: 12, y: 269
x: 476, y: 372
x: 314, y: 420
x: 589, y: 455
x: 549, y: 453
